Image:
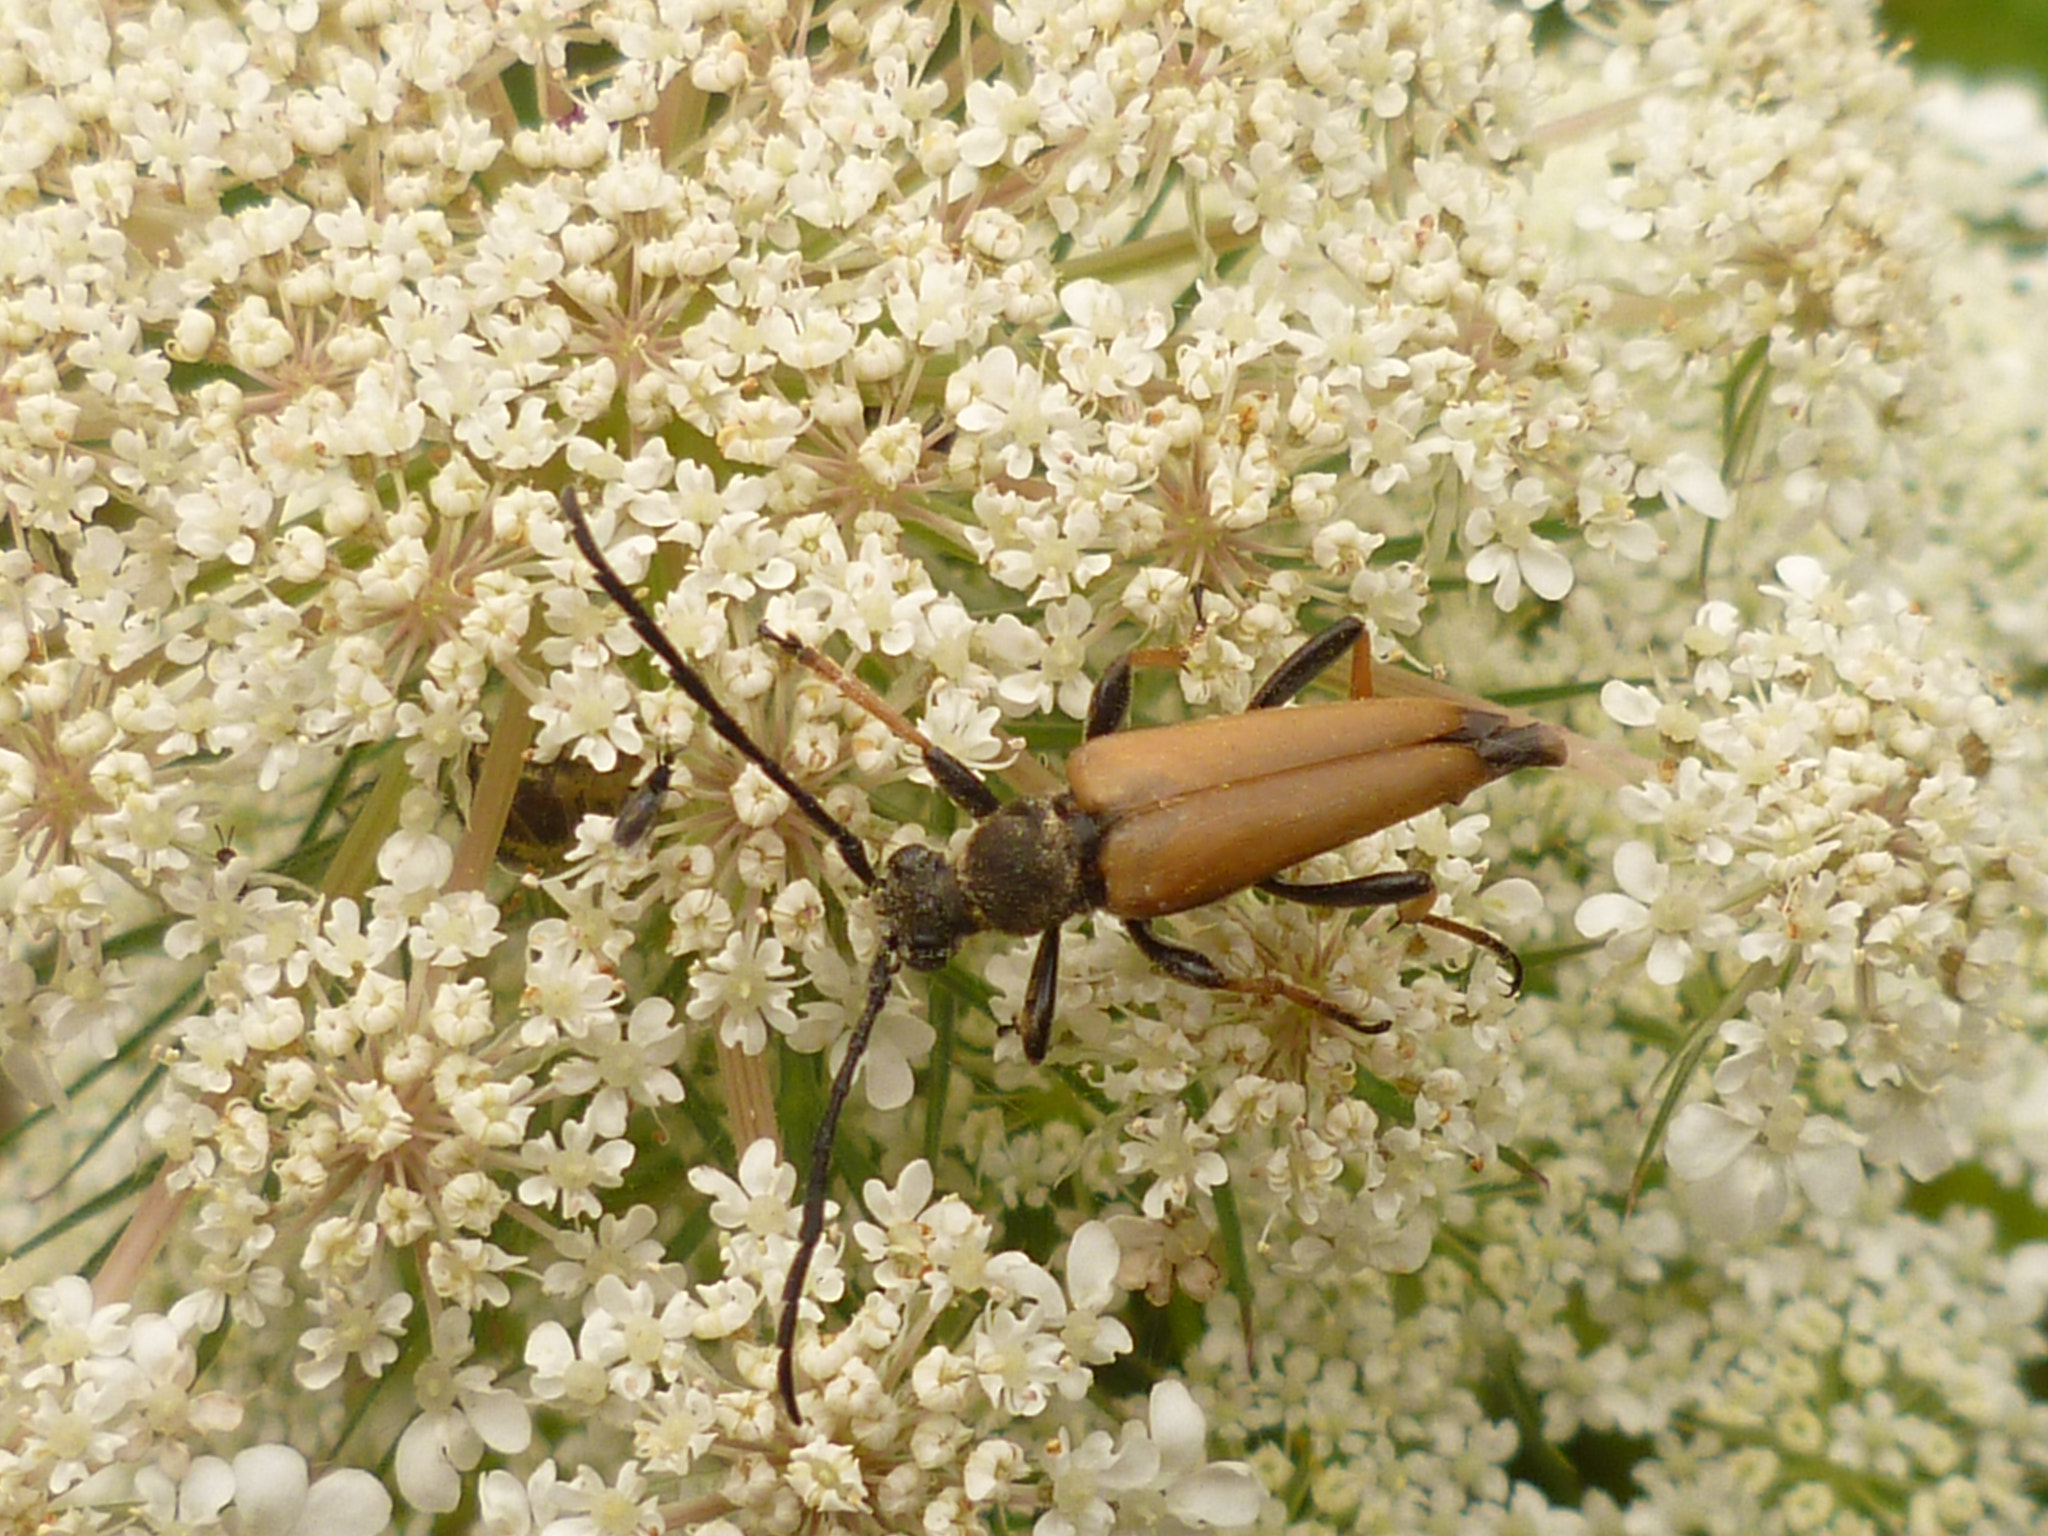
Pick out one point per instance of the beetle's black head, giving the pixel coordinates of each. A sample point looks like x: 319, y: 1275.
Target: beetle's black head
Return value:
x: 921, y: 907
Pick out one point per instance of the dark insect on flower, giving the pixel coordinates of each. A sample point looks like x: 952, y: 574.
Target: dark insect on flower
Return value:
x: 636, y: 815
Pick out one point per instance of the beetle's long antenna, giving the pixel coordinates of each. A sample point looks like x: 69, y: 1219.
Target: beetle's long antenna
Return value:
x: 813, y: 1226
x: 686, y: 678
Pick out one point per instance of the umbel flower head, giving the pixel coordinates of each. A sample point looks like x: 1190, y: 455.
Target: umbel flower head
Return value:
x: 431, y: 1013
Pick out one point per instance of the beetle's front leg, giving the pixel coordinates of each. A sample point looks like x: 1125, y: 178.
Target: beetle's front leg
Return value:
x: 1198, y: 970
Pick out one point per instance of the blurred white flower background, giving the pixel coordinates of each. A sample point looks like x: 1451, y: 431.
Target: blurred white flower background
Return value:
x: 392, y: 1146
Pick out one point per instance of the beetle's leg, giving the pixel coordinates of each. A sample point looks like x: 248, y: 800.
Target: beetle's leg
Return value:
x: 812, y: 1227
x: 1036, y: 1024
x: 1361, y: 669
x: 1307, y: 663
x: 1198, y: 970
x: 963, y: 786
x: 1492, y: 943
x: 700, y: 694
x: 1412, y: 891
x: 1111, y: 700
x: 1396, y: 887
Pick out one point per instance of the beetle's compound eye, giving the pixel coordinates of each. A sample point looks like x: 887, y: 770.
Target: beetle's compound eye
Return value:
x: 921, y: 907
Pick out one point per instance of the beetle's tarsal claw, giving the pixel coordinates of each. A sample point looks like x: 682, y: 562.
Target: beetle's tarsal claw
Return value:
x: 1348, y: 1019
x: 1314, y: 1002
x: 1493, y: 944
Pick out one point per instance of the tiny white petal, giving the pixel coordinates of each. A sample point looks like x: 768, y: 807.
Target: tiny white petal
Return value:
x: 502, y: 1507
x: 1092, y: 1260
x: 1803, y: 575
x: 426, y: 1475
x: 1629, y: 704
x: 1178, y: 1428
x: 890, y: 1082
x: 1513, y: 903
x: 1669, y: 959
x: 500, y: 1420
x: 1831, y: 1175
x: 346, y: 1502
x: 206, y: 1490
x: 1691, y: 480
x: 1638, y: 871
x: 1748, y: 1196
x: 1609, y: 912
x: 1547, y: 571
x: 270, y: 1487
x: 1704, y: 1139
x: 1225, y: 1495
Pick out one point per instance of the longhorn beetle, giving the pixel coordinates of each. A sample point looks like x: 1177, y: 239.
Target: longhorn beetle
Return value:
x: 1153, y: 822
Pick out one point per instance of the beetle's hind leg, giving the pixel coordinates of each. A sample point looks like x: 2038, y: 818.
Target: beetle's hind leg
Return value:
x: 1410, y: 890
x: 1198, y: 970
x: 1413, y: 892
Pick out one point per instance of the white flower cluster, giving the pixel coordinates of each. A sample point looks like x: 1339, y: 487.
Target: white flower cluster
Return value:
x: 1846, y: 1376
x: 1780, y: 242
x: 894, y: 1433
x: 443, y: 989
x: 109, y: 1401
x: 1836, y: 840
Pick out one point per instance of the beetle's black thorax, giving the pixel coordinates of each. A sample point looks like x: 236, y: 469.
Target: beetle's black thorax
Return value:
x: 1026, y: 869
x: 1031, y: 866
